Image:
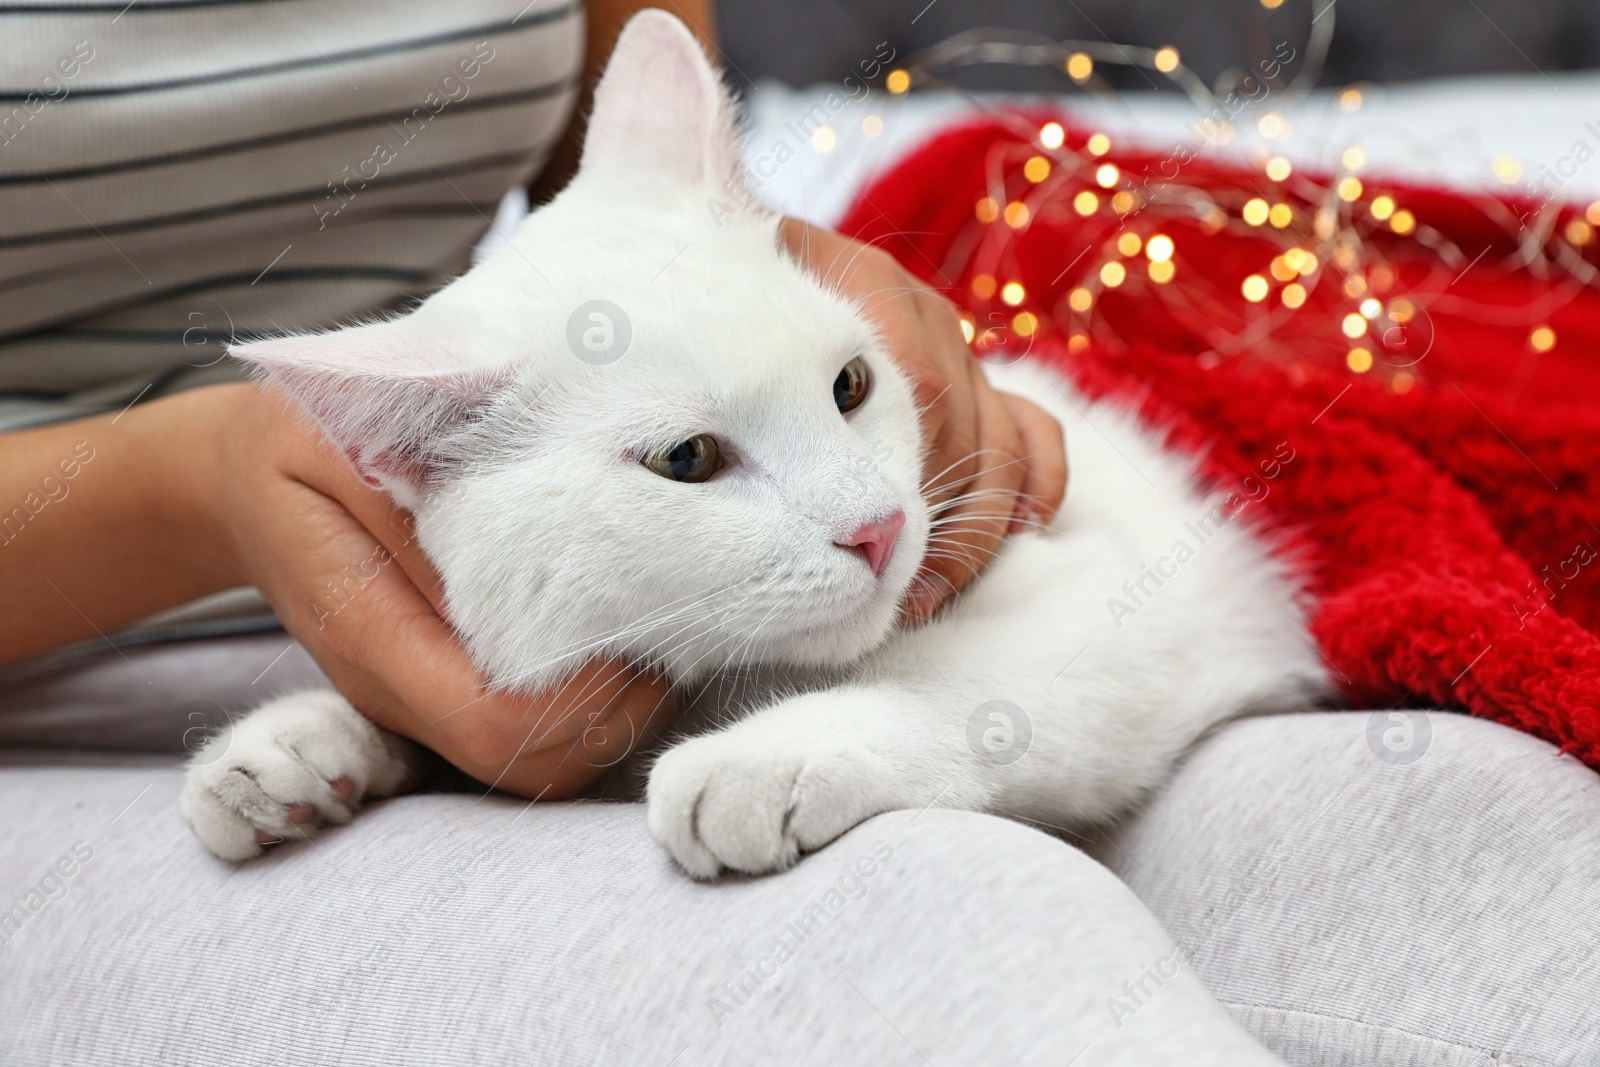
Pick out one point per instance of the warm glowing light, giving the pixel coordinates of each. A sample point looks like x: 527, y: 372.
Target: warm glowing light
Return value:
x: 983, y: 286
x: 1280, y: 215
x: 1579, y: 232
x: 987, y: 209
x: 1325, y: 225
x: 1507, y: 169
x: 1052, y: 135
x: 1080, y: 300
x: 1080, y: 66
x: 1098, y: 144
x: 1402, y: 382
x: 1159, y: 248
x: 1355, y: 286
x: 1592, y: 213
x: 1016, y: 214
x: 1105, y: 176
x: 1086, y: 203
x: 1350, y: 100
x: 1213, y: 221
x: 1161, y: 271
x: 897, y: 82
x: 1013, y: 293
x: 1354, y: 158
x: 1382, y: 207
x: 1354, y: 325
x: 968, y: 331
x: 1129, y: 244
x: 1294, y: 295
x: 1272, y: 5
x: 1358, y: 360
x: 1077, y: 343
x: 824, y: 140
x: 1371, y: 308
x: 872, y: 125
x: 1255, y: 212
x: 1036, y: 169
x: 1024, y: 324
x: 1113, y: 274
x: 1542, y: 339
x: 1272, y: 125
x: 1255, y: 288
x: 1279, y: 168
x: 1167, y: 60
x: 1349, y: 189
x: 1345, y: 257
x: 1281, y: 269
x: 1401, y: 311
x: 1123, y: 202
x: 1403, y: 222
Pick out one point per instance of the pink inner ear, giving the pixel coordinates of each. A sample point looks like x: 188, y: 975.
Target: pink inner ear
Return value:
x: 385, y: 394
x: 659, y: 109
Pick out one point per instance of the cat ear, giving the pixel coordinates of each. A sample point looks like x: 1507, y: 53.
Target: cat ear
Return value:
x: 660, y: 110
x: 386, y: 394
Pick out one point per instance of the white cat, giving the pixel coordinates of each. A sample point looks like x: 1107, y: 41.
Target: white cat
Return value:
x: 721, y: 467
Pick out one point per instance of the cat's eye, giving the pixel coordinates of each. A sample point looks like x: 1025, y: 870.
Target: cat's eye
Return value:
x: 693, y: 460
x: 850, y: 388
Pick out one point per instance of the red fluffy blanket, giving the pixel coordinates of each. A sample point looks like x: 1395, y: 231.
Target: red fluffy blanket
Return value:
x: 1435, y: 379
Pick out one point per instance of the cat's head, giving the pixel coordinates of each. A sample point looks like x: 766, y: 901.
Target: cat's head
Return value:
x: 639, y: 427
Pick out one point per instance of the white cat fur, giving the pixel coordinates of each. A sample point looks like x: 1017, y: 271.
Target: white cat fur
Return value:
x: 521, y: 462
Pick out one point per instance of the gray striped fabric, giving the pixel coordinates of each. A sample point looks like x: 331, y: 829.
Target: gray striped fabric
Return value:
x: 174, y: 175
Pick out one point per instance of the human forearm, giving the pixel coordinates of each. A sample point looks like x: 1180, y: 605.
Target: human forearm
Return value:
x: 102, y: 521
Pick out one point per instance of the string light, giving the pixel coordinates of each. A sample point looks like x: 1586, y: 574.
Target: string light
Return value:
x: 1402, y: 382
x: 983, y: 286
x: 1350, y: 101
x: 1167, y: 60
x: 1592, y: 213
x: 1272, y: 125
x: 1024, y: 324
x: 1159, y: 248
x: 1349, y: 189
x: 1542, y: 339
x: 1358, y: 360
x: 1113, y: 274
x: 1255, y: 211
x: 1381, y: 207
x: 1294, y: 295
x: 1099, y: 144
x: 1354, y: 157
x: 1279, y: 168
x: 1354, y: 325
x: 872, y: 125
x: 1123, y: 202
x: 1255, y: 288
x: 1403, y: 222
x: 1579, y: 232
x: 1013, y: 293
x: 1036, y: 170
x: 968, y: 331
x: 1052, y: 135
x: 1079, y: 67
x: 1129, y: 244
x: 1161, y: 271
x: 1371, y: 308
x: 1080, y: 300
x: 897, y: 82
x: 987, y: 209
x: 1086, y: 203
x: 1077, y: 343
x: 1281, y: 215
x: 1507, y: 169
x: 1272, y: 5
x: 1016, y: 214
x: 824, y: 140
x: 1106, y: 175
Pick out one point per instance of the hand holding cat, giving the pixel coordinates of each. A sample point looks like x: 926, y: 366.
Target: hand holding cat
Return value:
x: 337, y: 561
x: 996, y: 462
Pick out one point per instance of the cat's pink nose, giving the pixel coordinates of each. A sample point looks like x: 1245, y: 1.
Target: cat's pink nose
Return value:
x: 876, y: 540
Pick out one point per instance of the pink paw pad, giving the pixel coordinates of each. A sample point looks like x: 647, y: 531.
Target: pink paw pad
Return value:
x: 342, y: 788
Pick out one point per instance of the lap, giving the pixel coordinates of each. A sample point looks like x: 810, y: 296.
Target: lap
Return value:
x: 1435, y: 904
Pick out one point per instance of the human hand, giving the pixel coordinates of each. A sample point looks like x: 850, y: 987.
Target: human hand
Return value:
x: 996, y: 462
x: 338, y: 562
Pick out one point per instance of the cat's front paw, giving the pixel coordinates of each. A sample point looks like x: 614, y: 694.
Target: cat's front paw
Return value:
x: 285, y: 770
x: 752, y: 800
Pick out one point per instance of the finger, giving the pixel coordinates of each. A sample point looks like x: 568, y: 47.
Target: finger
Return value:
x: 1044, y: 459
x: 970, y: 530
x: 944, y: 378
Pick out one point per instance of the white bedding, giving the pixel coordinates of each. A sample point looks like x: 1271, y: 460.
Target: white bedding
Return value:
x: 1449, y: 130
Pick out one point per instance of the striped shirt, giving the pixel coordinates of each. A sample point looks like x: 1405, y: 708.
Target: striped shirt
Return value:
x: 178, y: 174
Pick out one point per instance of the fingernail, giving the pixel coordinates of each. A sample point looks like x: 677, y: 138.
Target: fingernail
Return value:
x: 264, y: 838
